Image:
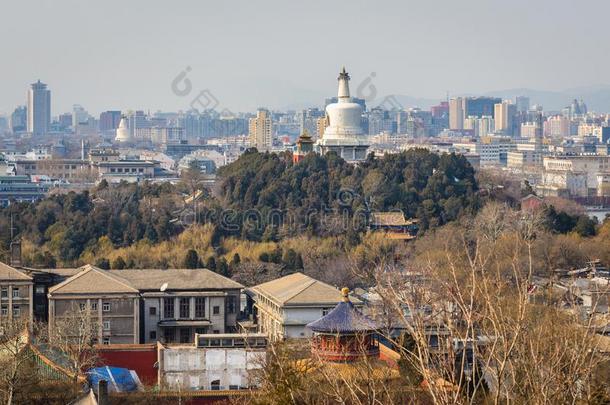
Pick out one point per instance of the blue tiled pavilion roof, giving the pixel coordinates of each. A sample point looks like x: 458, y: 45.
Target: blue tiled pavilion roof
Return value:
x: 344, y: 318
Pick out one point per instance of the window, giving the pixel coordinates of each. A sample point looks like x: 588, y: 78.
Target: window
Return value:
x: 4, y: 310
x: 16, y: 312
x: 215, y: 385
x: 185, y: 308
x: 168, y: 335
x: 200, y: 307
x: 230, y: 305
x: 152, y: 311
x: 168, y: 307
x: 152, y: 335
x: 15, y: 292
x: 106, y: 341
x: 216, y: 310
x: 106, y: 307
x: 106, y: 325
x: 94, y: 306
x: 325, y: 311
x: 185, y: 335
x: 112, y: 170
x: 82, y: 306
x: 4, y: 292
x: 40, y: 289
x: 200, y: 331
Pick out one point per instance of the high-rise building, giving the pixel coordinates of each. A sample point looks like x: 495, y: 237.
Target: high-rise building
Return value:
x: 110, y: 120
x: 260, y: 131
x: 557, y: 126
x: 504, y: 117
x: 480, y: 106
x: 80, y: 116
x: 440, y: 110
x: 456, y: 113
x: 19, y: 119
x: 137, y: 120
x: 39, y: 108
x: 64, y: 121
x: 522, y: 103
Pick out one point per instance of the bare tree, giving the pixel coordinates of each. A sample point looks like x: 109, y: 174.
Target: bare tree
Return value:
x: 74, y: 337
x: 16, y: 371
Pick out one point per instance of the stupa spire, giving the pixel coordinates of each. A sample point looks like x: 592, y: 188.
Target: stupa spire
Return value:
x: 343, y: 93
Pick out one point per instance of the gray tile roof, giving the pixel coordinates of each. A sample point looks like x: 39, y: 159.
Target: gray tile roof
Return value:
x: 91, y: 280
x: 300, y: 289
x: 176, y: 279
x: 9, y: 273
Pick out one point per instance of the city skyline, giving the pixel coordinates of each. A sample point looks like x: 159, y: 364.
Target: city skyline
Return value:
x: 131, y: 62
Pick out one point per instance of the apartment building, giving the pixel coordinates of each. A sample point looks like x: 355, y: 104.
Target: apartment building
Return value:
x: 16, y: 295
x: 285, y: 305
x: 143, y: 306
x: 111, y: 301
x: 592, y: 165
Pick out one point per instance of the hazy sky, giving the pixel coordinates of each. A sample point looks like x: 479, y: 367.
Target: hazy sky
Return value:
x: 115, y: 54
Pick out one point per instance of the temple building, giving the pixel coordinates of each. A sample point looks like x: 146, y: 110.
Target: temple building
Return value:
x: 344, y: 334
x: 122, y: 132
x: 343, y: 134
x: 304, y: 146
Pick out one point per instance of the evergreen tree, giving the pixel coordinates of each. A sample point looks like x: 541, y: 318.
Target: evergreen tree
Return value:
x: 103, y: 263
x: 223, y: 267
x: 191, y: 260
x: 118, y: 263
x: 235, y: 260
x: 211, y: 264
x: 290, y: 259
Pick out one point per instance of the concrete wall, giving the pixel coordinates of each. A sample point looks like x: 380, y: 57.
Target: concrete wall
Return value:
x: 192, y: 368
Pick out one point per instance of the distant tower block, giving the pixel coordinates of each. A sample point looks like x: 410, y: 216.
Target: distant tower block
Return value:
x: 343, y: 134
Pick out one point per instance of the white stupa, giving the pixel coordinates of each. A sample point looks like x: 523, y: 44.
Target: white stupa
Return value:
x: 344, y: 134
x: 122, y: 132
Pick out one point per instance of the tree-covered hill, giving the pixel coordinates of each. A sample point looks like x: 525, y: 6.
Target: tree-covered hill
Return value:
x: 433, y: 188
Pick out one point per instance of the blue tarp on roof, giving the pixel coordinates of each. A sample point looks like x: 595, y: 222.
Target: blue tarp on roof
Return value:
x: 344, y: 318
x: 119, y: 379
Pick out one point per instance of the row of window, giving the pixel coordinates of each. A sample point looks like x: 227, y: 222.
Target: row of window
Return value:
x: 127, y: 170
x: 184, y: 308
x: 105, y: 306
x: 16, y: 310
x: 185, y: 335
x: 67, y: 167
x: 4, y: 292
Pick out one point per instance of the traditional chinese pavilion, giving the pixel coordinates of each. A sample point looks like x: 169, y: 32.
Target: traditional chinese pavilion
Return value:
x: 344, y: 334
x: 304, y: 147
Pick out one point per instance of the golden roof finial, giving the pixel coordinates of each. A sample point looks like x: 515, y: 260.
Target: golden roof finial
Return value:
x: 345, y: 293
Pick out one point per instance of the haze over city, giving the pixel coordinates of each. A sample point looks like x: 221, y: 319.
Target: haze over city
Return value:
x: 117, y: 54
x: 274, y: 202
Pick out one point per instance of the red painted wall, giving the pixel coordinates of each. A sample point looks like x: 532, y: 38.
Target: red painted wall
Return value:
x: 140, y: 359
